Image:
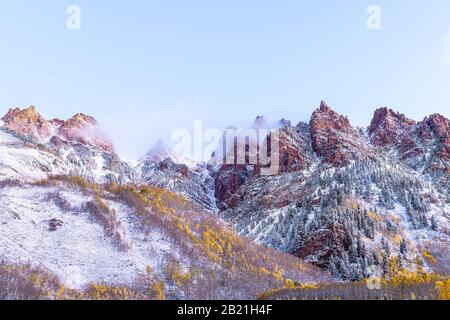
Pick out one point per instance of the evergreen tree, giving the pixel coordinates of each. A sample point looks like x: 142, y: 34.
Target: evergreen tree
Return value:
x: 345, y: 266
x: 385, y: 264
x: 359, y: 243
x: 434, y: 225
x: 403, y: 247
x: 335, y: 266
x: 353, y: 254
x: 386, y: 258
x: 387, y: 250
x: 376, y: 259
x: 400, y: 259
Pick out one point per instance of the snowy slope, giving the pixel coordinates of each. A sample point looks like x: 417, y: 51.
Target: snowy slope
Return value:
x: 26, y: 161
x: 78, y: 252
x: 20, y: 160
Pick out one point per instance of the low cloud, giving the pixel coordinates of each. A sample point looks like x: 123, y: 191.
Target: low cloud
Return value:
x: 135, y: 128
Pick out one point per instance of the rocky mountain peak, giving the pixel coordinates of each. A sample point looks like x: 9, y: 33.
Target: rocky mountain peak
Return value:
x: 27, y: 121
x: 390, y: 116
x: 30, y: 114
x: 436, y: 125
x: 84, y: 129
x: 326, y: 118
x: 324, y: 107
x: 160, y: 152
x: 80, y: 128
x: 434, y: 131
x: 387, y: 126
x: 80, y: 120
x: 333, y: 137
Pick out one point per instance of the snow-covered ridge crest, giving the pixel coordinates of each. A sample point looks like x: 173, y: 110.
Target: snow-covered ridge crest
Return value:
x: 164, y: 168
x: 79, y: 128
x: 43, y: 147
x: 85, y: 129
x: 160, y: 152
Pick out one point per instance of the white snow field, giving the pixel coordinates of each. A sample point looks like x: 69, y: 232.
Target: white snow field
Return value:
x: 78, y: 252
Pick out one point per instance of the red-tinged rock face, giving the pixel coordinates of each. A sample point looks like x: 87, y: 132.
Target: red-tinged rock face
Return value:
x: 183, y: 170
x: 227, y: 183
x: 294, y: 148
x: 56, y: 122
x: 444, y: 152
x: 84, y: 129
x: 334, y: 139
x: 440, y: 125
x: 295, y: 154
x: 329, y: 135
x: 80, y: 128
x: 26, y: 121
x: 412, y: 140
x: 435, y: 131
x: 435, y: 126
x: 389, y: 127
x: 316, y: 245
x: 408, y: 145
x: 79, y: 121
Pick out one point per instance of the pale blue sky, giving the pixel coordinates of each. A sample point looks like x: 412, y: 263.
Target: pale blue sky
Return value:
x: 143, y: 68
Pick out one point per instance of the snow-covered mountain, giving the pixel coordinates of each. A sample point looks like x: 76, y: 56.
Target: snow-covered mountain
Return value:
x: 160, y: 152
x: 164, y: 168
x: 33, y: 147
x: 71, y: 209
x: 344, y: 197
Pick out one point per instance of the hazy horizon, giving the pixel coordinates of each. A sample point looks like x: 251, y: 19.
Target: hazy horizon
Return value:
x: 147, y: 68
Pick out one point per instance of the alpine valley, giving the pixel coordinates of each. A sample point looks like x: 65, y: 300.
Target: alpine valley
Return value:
x: 347, y: 206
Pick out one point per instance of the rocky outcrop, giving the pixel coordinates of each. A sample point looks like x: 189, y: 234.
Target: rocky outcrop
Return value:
x: 27, y: 122
x: 77, y: 142
x: 164, y: 168
x: 425, y: 144
x: 435, y: 126
x: 390, y: 128
x: 228, y: 181
x: 315, y: 245
x: 55, y: 224
x: 295, y: 148
x: 84, y: 129
x: 394, y: 131
x: 334, y: 139
x: 434, y: 133
x: 329, y: 136
x: 295, y: 155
